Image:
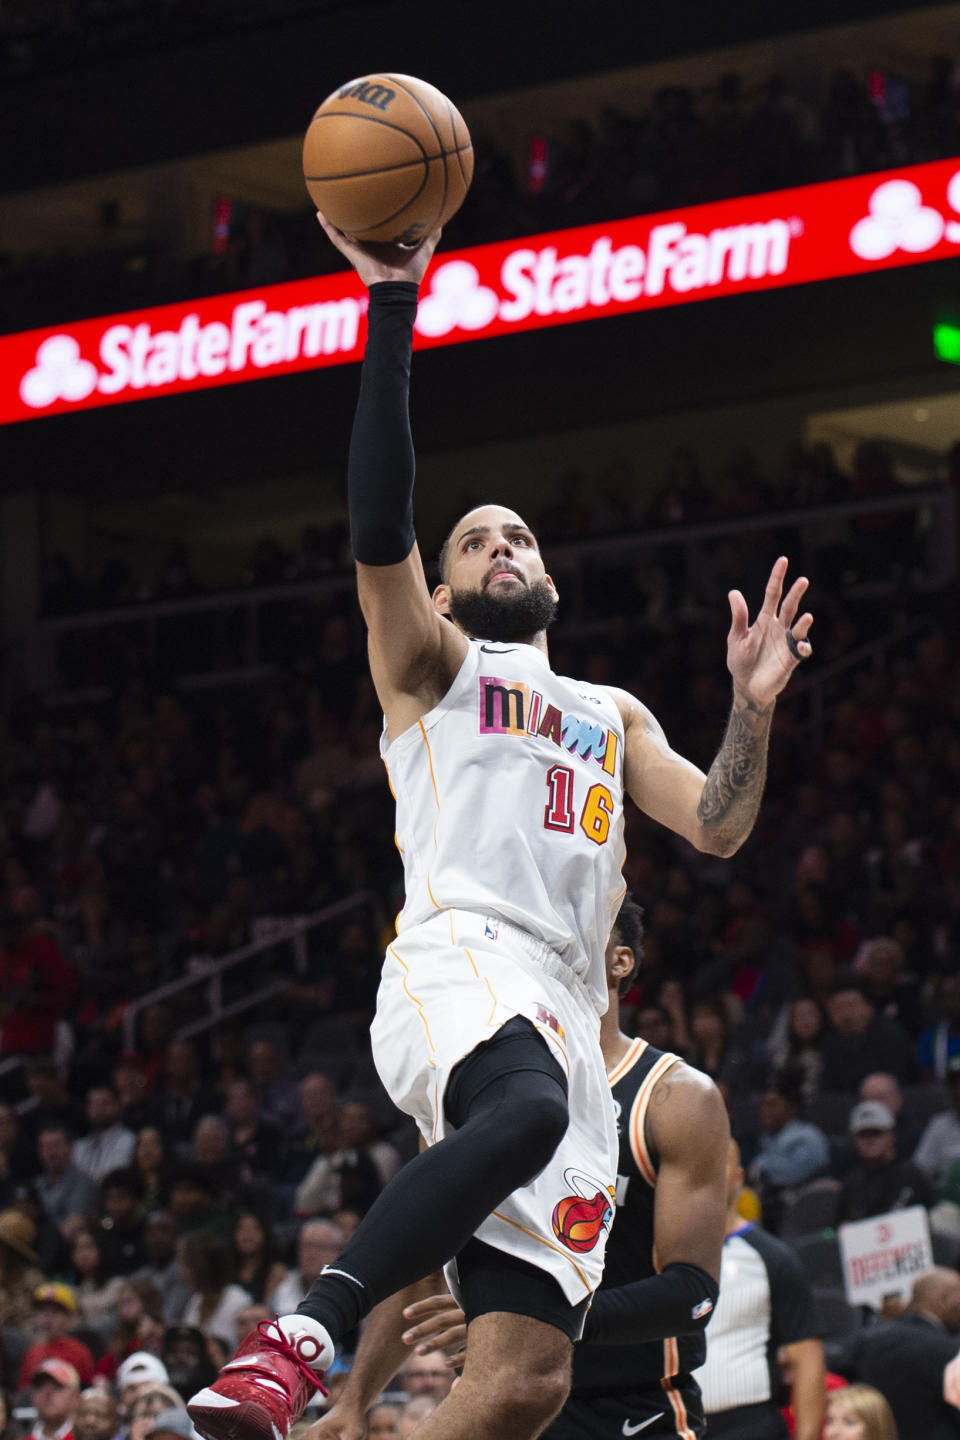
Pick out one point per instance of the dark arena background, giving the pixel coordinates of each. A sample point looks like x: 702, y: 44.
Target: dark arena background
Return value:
x: 702, y: 309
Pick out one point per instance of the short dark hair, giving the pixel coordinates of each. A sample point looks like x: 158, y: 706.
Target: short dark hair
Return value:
x: 628, y: 930
x: 125, y: 1177
x: 850, y: 979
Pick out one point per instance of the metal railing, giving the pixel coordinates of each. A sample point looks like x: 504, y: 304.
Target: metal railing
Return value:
x: 208, y: 641
x: 209, y: 977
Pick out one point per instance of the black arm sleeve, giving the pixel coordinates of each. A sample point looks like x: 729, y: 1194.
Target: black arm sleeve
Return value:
x: 381, y: 465
x: 678, y: 1301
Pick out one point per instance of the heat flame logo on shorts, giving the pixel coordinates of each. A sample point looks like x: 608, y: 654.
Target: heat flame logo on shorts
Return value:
x: 580, y: 1219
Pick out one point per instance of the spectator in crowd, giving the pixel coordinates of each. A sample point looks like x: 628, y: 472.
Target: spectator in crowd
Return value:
x: 180, y: 1097
x: 940, y: 1042
x: 414, y: 1413
x: 858, y: 1412
x: 765, y: 1303
x: 255, y: 1263
x: 886, y: 1089
x: 139, y: 1325
x: 340, y: 1177
x: 212, y: 1157
x: 939, y: 1147
x: 879, y: 1182
x: 97, y: 1416
x: 255, y: 1144
x: 195, y: 1201
x: 19, y: 1272
x: 67, y: 1195
x: 54, y: 1313
x: 162, y: 1268
x: 184, y: 1353
x: 318, y: 1244
x: 860, y: 1041
x: 55, y: 1392
x: 906, y: 1359
x: 36, y: 984
x: 138, y: 1371
x: 797, y: 1044
x: 426, y: 1375
x: 108, y: 1145
x: 15, y: 1163
x: 278, y: 1097
x: 95, y: 1290
x: 149, y: 1161
x: 316, y: 1135
x: 152, y: 1400
x: 171, y: 1424
x: 383, y: 1422
x: 359, y: 1131
x: 206, y: 1262
x: 52, y: 1105
x: 131, y: 1087
x: 121, y: 1223
x: 791, y: 1150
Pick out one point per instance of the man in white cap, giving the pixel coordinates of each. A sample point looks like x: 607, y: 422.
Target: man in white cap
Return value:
x: 879, y: 1182
x: 55, y: 1392
x: 139, y: 1369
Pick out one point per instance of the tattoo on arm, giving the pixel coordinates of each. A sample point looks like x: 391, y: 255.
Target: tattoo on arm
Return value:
x: 734, y: 784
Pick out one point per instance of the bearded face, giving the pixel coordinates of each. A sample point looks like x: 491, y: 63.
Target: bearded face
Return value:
x: 504, y: 611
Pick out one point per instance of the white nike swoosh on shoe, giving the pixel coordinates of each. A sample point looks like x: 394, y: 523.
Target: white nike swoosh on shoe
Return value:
x: 629, y: 1429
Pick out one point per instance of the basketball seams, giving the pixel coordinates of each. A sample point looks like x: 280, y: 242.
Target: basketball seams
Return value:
x: 433, y: 125
x: 453, y: 128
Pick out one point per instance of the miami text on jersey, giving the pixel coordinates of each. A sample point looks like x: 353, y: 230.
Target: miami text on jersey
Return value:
x: 510, y: 707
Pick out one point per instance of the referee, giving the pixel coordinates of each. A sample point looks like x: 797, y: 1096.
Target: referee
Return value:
x: 765, y: 1304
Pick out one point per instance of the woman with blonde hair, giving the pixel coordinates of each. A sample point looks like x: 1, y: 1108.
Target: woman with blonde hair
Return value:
x: 858, y: 1413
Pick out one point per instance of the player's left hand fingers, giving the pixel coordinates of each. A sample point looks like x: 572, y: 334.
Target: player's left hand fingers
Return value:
x: 791, y: 601
x: 450, y: 1342
x: 771, y: 595
x: 800, y: 630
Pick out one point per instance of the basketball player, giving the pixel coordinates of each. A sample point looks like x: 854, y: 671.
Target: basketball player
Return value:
x: 509, y: 782
x: 643, y: 1337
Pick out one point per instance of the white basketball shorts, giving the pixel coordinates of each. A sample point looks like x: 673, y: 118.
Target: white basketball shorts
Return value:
x: 448, y: 985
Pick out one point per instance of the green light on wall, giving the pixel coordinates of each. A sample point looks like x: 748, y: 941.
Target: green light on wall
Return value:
x: 946, y: 342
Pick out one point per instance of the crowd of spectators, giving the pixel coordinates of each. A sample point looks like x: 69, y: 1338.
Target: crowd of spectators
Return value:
x: 160, y: 1193
x: 616, y: 500
x: 686, y: 145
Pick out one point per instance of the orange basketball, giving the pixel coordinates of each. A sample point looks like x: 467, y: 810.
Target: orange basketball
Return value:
x: 387, y: 158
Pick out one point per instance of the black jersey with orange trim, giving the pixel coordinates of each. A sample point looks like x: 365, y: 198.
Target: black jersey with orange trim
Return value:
x: 630, y: 1247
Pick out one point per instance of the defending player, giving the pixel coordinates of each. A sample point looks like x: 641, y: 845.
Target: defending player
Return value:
x: 509, y: 782
x: 644, y: 1332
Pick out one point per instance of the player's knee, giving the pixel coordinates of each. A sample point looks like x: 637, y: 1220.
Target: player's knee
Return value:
x: 531, y: 1401
x: 541, y: 1125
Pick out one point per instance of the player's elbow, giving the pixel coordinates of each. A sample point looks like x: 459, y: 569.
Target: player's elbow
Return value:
x: 719, y: 841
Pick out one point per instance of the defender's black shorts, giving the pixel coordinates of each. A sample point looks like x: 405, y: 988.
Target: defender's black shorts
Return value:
x: 491, y: 1280
x: 651, y: 1413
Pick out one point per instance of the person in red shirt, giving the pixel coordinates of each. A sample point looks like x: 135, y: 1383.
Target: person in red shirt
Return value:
x: 36, y: 983
x: 55, y: 1391
x: 54, y: 1307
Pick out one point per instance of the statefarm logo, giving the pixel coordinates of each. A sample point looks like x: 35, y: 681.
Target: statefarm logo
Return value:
x: 137, y: 357
x: 899, y: 220
x: 674, y: 260
x: 542, y: 282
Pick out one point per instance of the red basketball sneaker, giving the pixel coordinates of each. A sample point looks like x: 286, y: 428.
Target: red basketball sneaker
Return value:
x: 263, y: 1390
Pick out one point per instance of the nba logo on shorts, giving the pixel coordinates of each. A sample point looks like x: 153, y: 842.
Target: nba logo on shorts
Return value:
x: 491, y: 929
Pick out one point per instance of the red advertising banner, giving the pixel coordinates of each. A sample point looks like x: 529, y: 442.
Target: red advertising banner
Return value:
x: 756, y: 242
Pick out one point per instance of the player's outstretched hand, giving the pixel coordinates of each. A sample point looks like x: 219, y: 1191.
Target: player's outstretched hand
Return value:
x: 384, y: 262
x: 761, y: 657
x: 439, y: 1325
x: 338, y: 1424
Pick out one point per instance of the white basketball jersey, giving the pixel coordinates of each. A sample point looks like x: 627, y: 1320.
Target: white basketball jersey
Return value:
x: 510, y: 803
